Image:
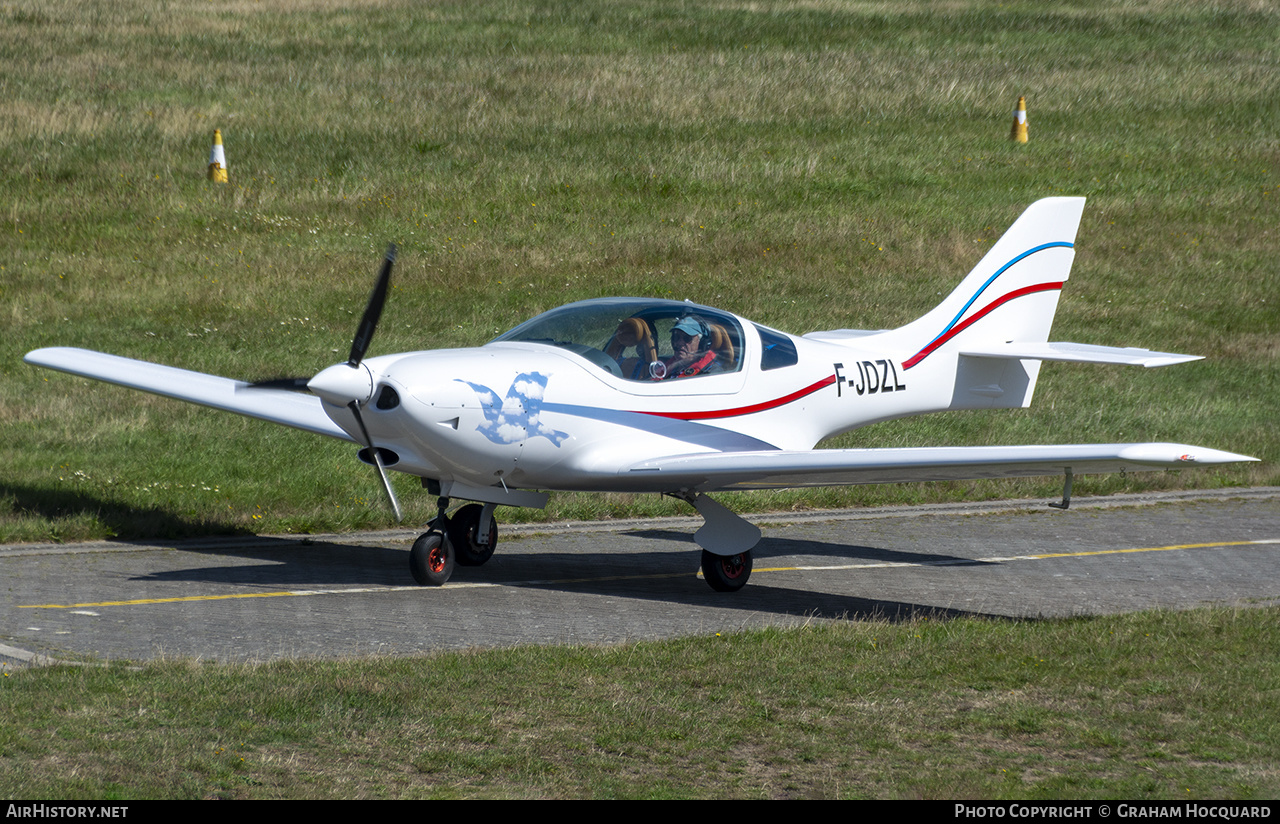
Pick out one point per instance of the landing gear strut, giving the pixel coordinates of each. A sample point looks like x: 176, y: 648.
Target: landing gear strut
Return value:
x: 466, y: 539
x: 726, y: 540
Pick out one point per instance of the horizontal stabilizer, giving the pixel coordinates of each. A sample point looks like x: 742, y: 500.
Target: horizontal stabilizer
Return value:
x: 275, y: 405
x: 843, y: 467
x: 1077, y: 353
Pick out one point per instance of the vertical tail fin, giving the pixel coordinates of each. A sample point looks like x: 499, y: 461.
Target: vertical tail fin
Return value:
x: 1011, y: 295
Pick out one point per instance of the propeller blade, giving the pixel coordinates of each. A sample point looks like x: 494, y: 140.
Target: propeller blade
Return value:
x: 373, y: 311
x: 377, y: 459
x: 337, y: 385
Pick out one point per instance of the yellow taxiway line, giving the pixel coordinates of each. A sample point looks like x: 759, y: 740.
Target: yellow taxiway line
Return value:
x: 995, y: 559
x: 883, y: 565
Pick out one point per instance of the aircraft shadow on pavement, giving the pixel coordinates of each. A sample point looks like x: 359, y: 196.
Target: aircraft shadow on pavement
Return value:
x: 670, y: 576
x: 293, y: 562
x: 667, y: 575
x: 304, y: 560
x: 773, y: 547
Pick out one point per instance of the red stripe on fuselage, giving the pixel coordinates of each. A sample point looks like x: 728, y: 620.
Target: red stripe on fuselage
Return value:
x: 746, y: 410
x: 975, y: 317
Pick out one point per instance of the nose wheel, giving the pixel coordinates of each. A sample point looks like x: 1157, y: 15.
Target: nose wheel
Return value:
x: 431, y: 560
x: 466, y: 539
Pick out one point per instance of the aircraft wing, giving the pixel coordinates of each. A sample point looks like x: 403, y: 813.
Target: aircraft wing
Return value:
x: 843, y: 467
x: 295, y: 409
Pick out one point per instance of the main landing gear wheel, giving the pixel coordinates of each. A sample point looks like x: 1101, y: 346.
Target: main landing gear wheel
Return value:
x: 470, y: 549
x: 431, y: 559
x: 726, y: 573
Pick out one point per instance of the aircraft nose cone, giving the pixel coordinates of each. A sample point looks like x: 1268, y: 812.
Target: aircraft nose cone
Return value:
x: 342, y: 384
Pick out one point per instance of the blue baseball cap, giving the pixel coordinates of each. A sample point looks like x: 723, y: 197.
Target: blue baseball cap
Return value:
x: 690, y: 326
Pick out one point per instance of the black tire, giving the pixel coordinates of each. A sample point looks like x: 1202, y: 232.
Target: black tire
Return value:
x: 431, y: 559
x: 726, y: 573
x: 468, y: 550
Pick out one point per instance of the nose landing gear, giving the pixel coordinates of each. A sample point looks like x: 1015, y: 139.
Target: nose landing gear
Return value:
x: 467, y: 539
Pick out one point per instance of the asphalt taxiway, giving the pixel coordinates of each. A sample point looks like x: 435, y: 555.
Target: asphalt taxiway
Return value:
x: 265, y: 597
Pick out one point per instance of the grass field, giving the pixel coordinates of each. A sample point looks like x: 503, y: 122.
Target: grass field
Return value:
x: 810, y: 165
x: 1174, y: 706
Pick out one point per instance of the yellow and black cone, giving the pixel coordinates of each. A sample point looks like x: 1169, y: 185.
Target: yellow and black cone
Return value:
x: 217, y: 159
x: 1019, y: 132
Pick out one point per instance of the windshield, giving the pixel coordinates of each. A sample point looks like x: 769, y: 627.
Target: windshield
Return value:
x: 640, y: 339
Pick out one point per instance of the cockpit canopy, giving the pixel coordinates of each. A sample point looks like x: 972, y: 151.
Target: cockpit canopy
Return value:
x: 631, y: 337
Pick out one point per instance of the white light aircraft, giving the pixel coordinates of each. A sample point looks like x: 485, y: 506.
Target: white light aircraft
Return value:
x: 645, y: 395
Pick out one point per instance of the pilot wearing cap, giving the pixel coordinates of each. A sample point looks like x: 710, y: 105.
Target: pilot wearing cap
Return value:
x: 692, y: 351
